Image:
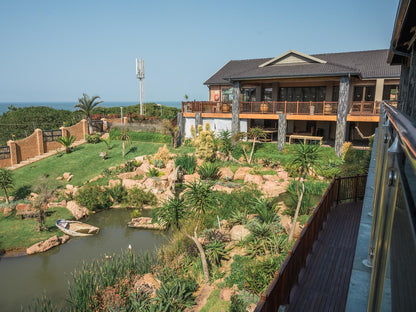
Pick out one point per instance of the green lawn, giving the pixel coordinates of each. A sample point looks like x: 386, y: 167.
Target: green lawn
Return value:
x: 17, y: 233
x: 84, y: 163
x: 215, y: 304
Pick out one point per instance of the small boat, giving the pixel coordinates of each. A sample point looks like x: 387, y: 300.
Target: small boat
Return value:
x: 76, y: 228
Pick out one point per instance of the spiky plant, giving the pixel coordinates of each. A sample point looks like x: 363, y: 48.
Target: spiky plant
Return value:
x: 66, y: 142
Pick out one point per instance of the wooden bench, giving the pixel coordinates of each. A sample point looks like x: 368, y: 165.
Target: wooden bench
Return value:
x: 305, y: 138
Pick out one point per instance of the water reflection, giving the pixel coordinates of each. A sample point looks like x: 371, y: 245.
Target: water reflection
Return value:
x: 24, y: 278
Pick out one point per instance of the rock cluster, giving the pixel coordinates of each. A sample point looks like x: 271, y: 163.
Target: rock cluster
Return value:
x: 47, y: 244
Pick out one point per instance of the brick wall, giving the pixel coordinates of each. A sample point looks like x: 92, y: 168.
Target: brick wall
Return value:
x: 78, y: 131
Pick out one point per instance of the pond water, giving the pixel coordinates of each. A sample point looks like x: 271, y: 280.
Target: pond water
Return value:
x: 27, y: 277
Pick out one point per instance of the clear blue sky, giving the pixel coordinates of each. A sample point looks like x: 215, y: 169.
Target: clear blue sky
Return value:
x: 56, y: 50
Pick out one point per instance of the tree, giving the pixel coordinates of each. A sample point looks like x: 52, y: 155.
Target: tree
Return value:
x: 6, y: 181
x: 199, y: 197
x: 66, y: 142
x: 172, y: 130
x: 45, y: 192
x: 252, y: 134
x: 125, y: 138
x: 306, y: 158
x: 172, y: 211
x: 87, y: 106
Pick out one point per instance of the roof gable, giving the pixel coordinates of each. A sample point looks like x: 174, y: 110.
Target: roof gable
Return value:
x: 292, y: 57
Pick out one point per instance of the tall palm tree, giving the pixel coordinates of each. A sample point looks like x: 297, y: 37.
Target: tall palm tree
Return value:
x: 199, y: 197
x: 87, y: 106
x: 306, y: 157
x: 6, y: 181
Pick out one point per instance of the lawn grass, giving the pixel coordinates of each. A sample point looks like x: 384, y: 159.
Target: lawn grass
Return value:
x: 84, y: 163
x: 215, y: 304
x: 16, y: 233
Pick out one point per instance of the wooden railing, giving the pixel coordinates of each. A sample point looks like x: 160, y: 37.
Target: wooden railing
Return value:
x: 278, y: 292
x: 292, y: 108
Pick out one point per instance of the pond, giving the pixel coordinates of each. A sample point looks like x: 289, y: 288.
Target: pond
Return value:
x: 27, y: 277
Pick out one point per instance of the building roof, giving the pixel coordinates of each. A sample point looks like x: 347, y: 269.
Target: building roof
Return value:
x: 365, y: 64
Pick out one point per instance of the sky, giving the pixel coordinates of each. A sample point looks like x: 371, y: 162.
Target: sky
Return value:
x: 57, y: 50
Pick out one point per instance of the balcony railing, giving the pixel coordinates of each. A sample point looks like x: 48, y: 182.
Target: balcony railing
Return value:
x: 340, y: 189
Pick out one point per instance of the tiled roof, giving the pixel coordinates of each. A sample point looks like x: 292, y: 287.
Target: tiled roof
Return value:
x: 366, y: 64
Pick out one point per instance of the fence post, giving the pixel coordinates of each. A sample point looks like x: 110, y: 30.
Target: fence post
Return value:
x: 356, y: 188
x: 338, y: 188
x: 39, y: 141
x: 13, y: 152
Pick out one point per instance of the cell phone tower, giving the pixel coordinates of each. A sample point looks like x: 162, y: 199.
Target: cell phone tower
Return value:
x: 140, y: 76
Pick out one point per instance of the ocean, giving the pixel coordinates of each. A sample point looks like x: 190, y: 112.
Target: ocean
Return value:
x: 70, y: 105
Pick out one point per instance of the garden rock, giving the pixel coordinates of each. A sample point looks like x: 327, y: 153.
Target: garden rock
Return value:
x: 148, y: 284
x: 127, y: 175
x: 226, y: 173
x: 140, y: 158
x: 57, y: 204
x: 69, y: 178
x: 286, y: 222
x: 226, y: 293
x: 7, y: 210
x: 144, y: 167
x: 44, y: 245
x: 241, y: 173
x: 70, y: 190
x: 66, y: 175
x: 128, y: 183
x: 114, y: 182
x: 170, y: 165
x: 282, y: 174
x: 77, y: 211
x: 188, y: 178
x: 96, y: 178
x: 239, y: 233
x: 59, y: 178
x: 222, y: 188
x: 253, y: 178
x: 272, y: 189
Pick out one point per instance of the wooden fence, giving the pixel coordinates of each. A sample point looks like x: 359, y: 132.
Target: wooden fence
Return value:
x: 278, y: 292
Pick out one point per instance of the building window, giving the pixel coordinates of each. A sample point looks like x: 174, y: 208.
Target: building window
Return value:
x: 248, y: 94
x: 306, y: 94
x: 227, y: 95
x: 267, y: 94
x: 364, y: 93
x: 390, y: 93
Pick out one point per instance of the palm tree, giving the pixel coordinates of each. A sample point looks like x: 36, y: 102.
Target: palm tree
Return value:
x: 199, y: 197
x: 306, y: 157
x: 66, y: 142
x: 172, y: 211
x: 6, y: 181
x: 125, y: 138
x: 87, y: 105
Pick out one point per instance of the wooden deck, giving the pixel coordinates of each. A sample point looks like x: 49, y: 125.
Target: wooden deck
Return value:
x: 323, y: 283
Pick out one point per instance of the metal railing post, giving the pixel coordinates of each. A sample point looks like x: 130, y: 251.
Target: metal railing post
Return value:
x: 389, y: 190
x: 383, y: 140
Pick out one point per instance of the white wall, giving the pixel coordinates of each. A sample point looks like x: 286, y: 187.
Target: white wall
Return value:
x: 217, y: 125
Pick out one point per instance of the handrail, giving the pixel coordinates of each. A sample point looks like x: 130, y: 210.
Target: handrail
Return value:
x: 406, y: 130
x: 341, y: 188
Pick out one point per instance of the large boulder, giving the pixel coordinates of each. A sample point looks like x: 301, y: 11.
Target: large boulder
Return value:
x: 253, y: 178
x: 241, y: 173
x: 47, y: 244
x: 226, y: 173
x: 78, y: 211
x: 273, y: 189
x: 128, y: 183
x: 286, y: 222
x: 148, y: 284
x: 239, y: 232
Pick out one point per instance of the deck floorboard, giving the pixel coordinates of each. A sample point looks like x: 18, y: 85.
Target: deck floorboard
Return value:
x: 324, y: 283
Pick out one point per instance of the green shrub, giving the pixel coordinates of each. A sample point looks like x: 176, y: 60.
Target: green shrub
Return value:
x: 158, y: 163
x: 118, y: 192
x: 93, y: 198
x: 216, y: 251
x: 93, y: 138
x: 203, y: 142
x: 153, y: 172
x: 138, y: 197
x: 209, y: 171
x: 131, y: 165
x: 187, y: 162
x: 238, y: 304
x: 135, y: 213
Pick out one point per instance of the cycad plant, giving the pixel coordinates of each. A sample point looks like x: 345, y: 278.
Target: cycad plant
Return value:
x: 6, y: 182
x: 209, y: 171
x: 66, y: 142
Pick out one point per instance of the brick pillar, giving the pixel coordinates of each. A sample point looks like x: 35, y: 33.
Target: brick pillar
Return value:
x: 235, y: 120
x: 281, y: 135
x: 65, y: 132
x: 125, y: 121
x: 181, y: 125
x: 84, y: 125
x: 13, y: 152
x: 341, y: 130
x: 39, y: 141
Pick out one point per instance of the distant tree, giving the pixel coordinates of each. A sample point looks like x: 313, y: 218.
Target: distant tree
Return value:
x: 87, y: 106
x: 6, y: 181
x: 306, y: 157
x: 66, y: 142
x: 186, y: 97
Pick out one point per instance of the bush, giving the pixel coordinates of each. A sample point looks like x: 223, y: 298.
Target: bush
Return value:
x: 93, y: 198
x: 153, y: 172
x: 118, y: 192
x: 158, y: 163
x: 93, y: 138
x: 209, y: 171
x: 138, y: 197
x: 187, y: 162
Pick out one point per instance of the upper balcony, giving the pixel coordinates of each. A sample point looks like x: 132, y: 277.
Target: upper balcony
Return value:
x: 358, y: 111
